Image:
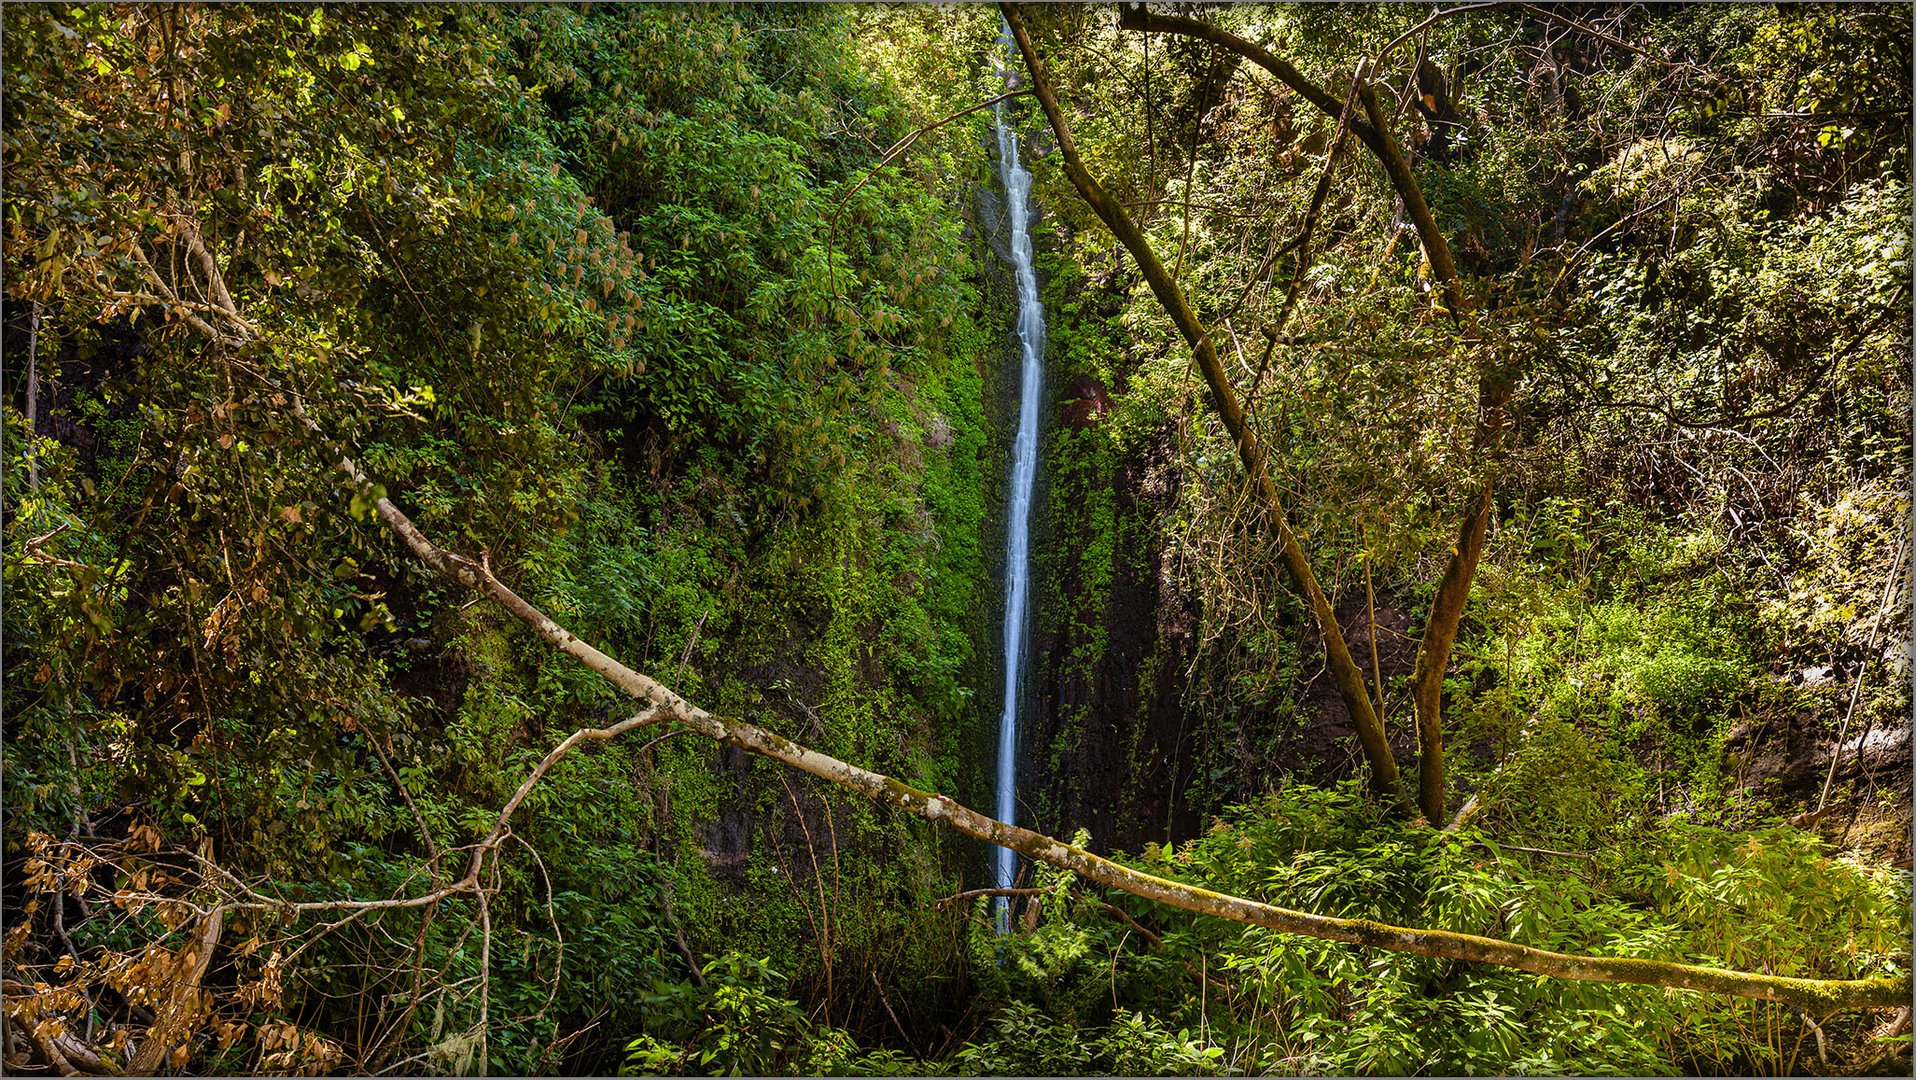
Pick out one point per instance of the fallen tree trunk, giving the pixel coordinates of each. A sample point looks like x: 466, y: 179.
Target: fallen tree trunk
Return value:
x: 1814, y: 995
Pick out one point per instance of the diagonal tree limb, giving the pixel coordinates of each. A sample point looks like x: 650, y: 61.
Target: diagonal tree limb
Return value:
x: 179, y: 306
x: 1302, y: 242
x: 1856, y: 688
x: 1397, y: 166
x: 1358, y: 78
x: 1348, y: 676
x: 1816, y: 995
x: 1373, y: 133
x: 1433, y: 653
x: 1440, y: 629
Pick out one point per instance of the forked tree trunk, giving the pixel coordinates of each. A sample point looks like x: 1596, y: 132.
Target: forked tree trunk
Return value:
x: 1446, y: 613
x: 1348, y: 677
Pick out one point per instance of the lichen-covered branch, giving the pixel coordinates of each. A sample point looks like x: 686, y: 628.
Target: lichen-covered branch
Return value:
x: 1814, y: 995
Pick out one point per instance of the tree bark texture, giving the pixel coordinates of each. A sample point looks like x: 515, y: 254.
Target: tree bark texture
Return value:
x: 174, y: 1017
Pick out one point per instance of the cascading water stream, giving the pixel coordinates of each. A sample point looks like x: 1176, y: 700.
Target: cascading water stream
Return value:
x: 1024, y: 472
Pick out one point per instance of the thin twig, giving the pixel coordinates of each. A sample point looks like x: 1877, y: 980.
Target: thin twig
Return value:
x: 897, y: 148
x: 1592, y: 31
x: 678, y: 934
x: 33, y: 398
x: 1190, y: 171
x: 1822, y: 1047
x: 652, y: 714
x: 182, y: 308
x: 1817, y: 381
x: 690, y: 644
x: 972, y: 894
x: 1428, y: 23
x: 818, y: 882
x: 44, y: 537
x: 1538, y: 851
x: 485, y: 983
x: 1370, y: 606
x: 654, y: 742
x: 1856, y: 689
x: 1311, y: 216
x: 432, y: 849
x: 886, y: 1002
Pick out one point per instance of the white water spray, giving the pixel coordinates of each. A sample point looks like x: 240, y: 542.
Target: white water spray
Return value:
x: 1024, y: 473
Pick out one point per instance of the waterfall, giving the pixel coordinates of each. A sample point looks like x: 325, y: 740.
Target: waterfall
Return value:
x: 1024, y: 472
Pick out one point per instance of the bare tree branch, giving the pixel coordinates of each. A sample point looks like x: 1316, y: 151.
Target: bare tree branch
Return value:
x: 1817, y: 995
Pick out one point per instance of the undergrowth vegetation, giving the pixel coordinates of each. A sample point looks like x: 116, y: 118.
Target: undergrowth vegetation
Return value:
x: 1092, y: 990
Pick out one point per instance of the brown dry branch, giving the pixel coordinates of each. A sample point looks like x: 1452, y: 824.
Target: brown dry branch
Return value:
x: 142, y: 1008
x: 175, y: 1020
x: 973, y: 894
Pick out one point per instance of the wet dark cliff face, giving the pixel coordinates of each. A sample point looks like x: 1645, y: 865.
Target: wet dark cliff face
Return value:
x: 1122, y: 739
x: 1324, y: 749
x: 1108, y: 738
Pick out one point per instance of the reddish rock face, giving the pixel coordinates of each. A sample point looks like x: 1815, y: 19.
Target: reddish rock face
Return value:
x: 1087, y: 402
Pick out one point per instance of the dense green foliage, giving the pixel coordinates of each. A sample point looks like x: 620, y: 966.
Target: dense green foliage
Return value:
x: 621, y: 299
x: 564, y: 282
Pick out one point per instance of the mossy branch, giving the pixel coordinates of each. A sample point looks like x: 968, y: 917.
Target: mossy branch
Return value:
x: 1349, y: 678
x: 1818, y: 996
